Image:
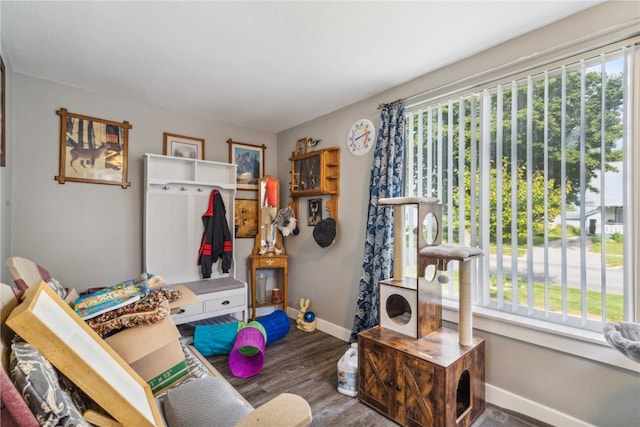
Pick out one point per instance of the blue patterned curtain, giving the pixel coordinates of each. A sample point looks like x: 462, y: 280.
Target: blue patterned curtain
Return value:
x: 386, y: 181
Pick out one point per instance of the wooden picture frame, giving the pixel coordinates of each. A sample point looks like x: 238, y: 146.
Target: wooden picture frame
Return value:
x: 46, y: 322
x: 3, y: 117
x: 183, y: 146
x: 249, y: 159
x: 314, y: 212
x: 246, y: 218
x: 92, y: 150
x: 301, y: 147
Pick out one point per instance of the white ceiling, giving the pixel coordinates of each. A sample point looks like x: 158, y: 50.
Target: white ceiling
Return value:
x: 266, y: 65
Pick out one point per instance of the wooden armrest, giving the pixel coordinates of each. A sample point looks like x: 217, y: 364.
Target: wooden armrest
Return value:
x: 99, y: 419
x: 286, y: 409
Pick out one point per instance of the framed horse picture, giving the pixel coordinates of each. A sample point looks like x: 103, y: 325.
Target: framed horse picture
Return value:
x: 92, y: 150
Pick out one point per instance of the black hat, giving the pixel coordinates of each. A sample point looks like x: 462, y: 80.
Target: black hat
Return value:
x: 325, y: 232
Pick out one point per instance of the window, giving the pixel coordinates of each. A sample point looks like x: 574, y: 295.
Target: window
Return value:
x: 536, y: 170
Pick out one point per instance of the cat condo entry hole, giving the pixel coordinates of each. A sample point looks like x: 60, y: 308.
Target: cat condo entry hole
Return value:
x: 430, y: 229
x: 463, y: 394
x: 398, y: 309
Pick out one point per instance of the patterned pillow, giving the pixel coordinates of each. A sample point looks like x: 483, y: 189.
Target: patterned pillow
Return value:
x: 191, y: 404
x: 196, y: 367
x: 38, y: 382
x: 57, y: 287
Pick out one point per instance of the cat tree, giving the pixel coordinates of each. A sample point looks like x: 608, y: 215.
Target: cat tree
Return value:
x: 411, y: 331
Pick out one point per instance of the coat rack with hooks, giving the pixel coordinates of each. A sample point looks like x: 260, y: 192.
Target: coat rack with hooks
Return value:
x: 177, y: 195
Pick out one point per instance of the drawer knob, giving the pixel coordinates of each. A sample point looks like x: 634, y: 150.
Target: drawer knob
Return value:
x: 269, y: 261
x: 225, y: 302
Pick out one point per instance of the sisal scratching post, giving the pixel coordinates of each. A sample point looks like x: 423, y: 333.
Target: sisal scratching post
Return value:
x: 398, y: 243
x: 465, y: 325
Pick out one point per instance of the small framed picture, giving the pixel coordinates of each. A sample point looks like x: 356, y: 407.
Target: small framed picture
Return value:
x: 314, y: 211
x: 249, y: 159
x: 246, y: 218
x: 183, y: 146
x: 301, y: 146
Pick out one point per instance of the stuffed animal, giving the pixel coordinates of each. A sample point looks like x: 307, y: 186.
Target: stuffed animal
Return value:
x: 304, y: 304
x: 301, y: 323
x: 286, y: 222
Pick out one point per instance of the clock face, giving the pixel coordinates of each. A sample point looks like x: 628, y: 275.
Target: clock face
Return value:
x: 361, y: 137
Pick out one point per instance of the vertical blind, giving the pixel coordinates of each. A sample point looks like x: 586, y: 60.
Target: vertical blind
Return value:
x: 535, y: 169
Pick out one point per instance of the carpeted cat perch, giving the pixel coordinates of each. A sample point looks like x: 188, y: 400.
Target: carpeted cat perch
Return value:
x: 624, y: 337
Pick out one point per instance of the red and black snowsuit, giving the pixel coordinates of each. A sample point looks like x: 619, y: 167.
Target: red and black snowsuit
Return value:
x: 216, y: 239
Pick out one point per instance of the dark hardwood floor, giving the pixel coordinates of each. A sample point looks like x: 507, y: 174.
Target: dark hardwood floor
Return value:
x: 306, y: 364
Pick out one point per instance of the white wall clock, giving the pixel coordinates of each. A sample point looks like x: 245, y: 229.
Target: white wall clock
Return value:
x: 361, y: 137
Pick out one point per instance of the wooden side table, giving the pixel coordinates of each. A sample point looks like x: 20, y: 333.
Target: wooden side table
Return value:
x: 270, y: 261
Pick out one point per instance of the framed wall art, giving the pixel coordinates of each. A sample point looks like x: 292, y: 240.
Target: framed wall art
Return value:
x: 92, y: 150
x: 183, y: 146
x: 314, y: 211
x: 249, y: 159
x: 301, y: 146
x: 3, y: 120
x: 246, y: 218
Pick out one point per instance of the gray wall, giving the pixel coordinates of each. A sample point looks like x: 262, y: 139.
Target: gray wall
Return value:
x: 88, y: 234
x: 5, y: 178
x: 586, y: 390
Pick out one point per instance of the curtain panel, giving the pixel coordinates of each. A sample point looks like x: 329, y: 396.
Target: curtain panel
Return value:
x: 386, y: 181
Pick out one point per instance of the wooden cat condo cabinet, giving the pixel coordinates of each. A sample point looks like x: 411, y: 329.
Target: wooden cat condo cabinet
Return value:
x: 411, y: 368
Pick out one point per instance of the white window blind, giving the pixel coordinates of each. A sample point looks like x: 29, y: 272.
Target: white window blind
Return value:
x: 536, y: 170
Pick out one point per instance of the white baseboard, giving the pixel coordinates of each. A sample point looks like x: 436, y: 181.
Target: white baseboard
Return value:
x: 505, y: 399
x: 493, y: 395
x: 324, y: 326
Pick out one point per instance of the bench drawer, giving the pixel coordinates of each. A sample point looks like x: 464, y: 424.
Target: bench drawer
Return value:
x: 224, y: 303
x: 189, y: 310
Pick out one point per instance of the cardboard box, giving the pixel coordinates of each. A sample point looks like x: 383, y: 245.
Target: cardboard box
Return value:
x: 163, y: 357
x: 70, y: 299
x: 153, y: 351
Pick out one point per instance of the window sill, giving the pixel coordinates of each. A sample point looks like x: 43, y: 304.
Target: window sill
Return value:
x: 577, y: 342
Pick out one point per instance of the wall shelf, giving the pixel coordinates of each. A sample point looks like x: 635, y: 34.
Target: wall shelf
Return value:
x: 316, y: 173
